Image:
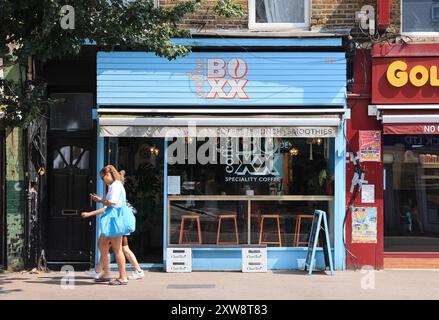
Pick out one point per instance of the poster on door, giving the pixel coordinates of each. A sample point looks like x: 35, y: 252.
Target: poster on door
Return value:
x: 370, y: 145
x: 364, y: 225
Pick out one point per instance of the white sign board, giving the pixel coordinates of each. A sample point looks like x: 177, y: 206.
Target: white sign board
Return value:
x: 254, y: 259
x: 368, y: 193
x: 174, y: 185
x: 178, y: 260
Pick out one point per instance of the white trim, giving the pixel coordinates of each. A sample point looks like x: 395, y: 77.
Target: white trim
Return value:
x: 431, y: 34
x: 252, y: 25
x: 220, y: 121
x: 411, y: 118
x: 219, y: 111
x: 406, y: 106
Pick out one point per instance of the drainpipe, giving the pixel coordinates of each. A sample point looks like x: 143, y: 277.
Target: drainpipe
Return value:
x: 383, y: 15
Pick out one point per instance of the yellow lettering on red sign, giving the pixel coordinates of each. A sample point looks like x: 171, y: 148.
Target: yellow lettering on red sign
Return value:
x: 398, y: 75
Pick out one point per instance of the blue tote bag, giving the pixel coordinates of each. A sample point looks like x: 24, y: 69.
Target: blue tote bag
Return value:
x: 116, y: 222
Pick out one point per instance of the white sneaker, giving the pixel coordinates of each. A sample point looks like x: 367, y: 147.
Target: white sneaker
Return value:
x: 92, y: 273
x: 135, y: 275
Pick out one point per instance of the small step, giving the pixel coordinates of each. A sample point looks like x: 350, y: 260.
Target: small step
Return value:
x: 411, y: 263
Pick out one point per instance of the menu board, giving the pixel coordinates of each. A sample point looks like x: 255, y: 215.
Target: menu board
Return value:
x: 370, y: 145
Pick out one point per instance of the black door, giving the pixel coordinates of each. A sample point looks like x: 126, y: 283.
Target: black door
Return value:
x: 70, y: 237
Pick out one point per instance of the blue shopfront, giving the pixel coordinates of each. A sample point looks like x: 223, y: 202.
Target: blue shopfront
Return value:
x: 227, y: 148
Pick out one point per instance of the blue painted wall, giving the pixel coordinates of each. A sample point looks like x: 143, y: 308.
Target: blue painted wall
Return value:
x: 261, y: 78
x: 229, y: 259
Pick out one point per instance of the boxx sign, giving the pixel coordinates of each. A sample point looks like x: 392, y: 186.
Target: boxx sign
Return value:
x: 222, y: 79
x: 225, y: 78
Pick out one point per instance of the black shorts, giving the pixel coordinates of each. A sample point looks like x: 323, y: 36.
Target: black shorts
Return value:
x: 124, y: 240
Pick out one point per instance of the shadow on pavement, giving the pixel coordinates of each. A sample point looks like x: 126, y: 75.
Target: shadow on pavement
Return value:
x: 58, y: 282
x: 2, y: 291
x: 301, y: 272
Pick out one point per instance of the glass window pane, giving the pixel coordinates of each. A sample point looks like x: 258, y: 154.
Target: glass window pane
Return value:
x: 61, y: 158
x: 284, y: 223
x: 238, y: 188
x: 238, y: 166
x: 411, y: 212
x: 83, y: 161
x: 208, y: 222
x: 420, y: 16
x: 280, y: 11
x: 72, y: 112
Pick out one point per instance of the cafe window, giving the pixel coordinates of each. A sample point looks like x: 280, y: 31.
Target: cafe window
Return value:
x: 411, y: 195
x: 278, y: 14
x: 420, y: 16
x: 239, y: 191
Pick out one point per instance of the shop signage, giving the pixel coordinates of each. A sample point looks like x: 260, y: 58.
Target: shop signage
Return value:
x: 319, y: 230
x: 398, y: 75
x: 364, y: 225
x: 405, y: 80
x: 226, y: 78
x: 289, y: 79
x: 417, y: 128
x: 275, y: 132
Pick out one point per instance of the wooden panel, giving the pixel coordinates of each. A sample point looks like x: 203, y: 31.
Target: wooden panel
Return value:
x: 222, y: 78
x: 411, y: 263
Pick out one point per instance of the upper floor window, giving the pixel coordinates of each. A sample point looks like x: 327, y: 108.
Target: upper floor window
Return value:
x: 420, y: 17
x: 278, y: 14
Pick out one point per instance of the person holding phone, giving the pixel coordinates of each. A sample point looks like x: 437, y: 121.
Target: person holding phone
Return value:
x: 114, y: 198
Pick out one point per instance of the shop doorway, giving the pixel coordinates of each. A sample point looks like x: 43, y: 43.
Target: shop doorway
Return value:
x: 142, y: 159
x: 411, y: 196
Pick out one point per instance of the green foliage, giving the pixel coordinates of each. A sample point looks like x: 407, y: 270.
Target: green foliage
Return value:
x: 228, y: 9
x: 34, y: 28
x: 20, y: 104
x: 31, y: 29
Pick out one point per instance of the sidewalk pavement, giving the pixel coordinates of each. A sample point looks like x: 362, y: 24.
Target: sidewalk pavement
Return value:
x: 388, y: 284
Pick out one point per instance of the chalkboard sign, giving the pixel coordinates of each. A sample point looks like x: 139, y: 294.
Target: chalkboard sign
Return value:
x: 319, y: 231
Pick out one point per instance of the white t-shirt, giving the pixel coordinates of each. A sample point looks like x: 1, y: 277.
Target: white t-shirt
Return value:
x: 115, y: 190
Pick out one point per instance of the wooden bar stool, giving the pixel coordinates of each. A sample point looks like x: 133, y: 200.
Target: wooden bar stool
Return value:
x: 225, y: 217
x: 299, y: 218
x: 261, y: 229
x: 193, y: 218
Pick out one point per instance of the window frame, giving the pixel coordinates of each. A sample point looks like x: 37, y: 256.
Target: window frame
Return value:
x: 432, y: 34
x: 253, y: 25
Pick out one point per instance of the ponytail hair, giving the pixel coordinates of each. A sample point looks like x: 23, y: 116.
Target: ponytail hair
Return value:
x: 117, y: 175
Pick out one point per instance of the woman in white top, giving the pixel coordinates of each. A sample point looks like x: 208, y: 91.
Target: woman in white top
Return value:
x: 114, y: 198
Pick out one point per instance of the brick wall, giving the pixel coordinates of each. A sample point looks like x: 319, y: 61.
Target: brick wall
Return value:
x: 207, y: 19
x: 324, y: 13
x: 395, y: 16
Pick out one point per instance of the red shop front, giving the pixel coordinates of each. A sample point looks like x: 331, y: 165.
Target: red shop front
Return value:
x: 402, y: 103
